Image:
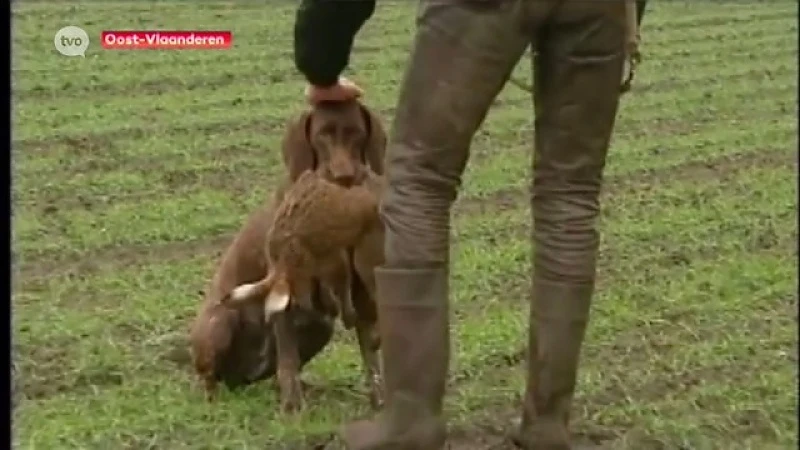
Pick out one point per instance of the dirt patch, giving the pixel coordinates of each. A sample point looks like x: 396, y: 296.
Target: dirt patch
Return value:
x: 84, y: 144
x: 672, y: 84
x: 53, y: 263
x: 238, y: 170
x: 178, y: 354
x: 492, y: 432
x: 703, y: 21
x: 492, y: 361
x: 60, y: 264
x: 50, y: 366
x: 237, y: 181
x: 496, y: 434
x: 721, y: 168
x: 662, y: 85
x: 47, y: 370
x: 499, y: 201
x: 158, y: 86
x: 42, y: 385
x: 476, y: 440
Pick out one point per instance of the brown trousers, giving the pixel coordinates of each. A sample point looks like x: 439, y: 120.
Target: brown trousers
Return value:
x: 464, y: 53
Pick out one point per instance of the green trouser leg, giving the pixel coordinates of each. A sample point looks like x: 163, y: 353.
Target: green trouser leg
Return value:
x: 463, y: 54
x: 577, y: 67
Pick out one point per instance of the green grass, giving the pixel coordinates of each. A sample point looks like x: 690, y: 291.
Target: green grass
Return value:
x: 124, y: 194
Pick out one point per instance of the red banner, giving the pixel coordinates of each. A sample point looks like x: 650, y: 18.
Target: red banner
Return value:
x: 178, y: 40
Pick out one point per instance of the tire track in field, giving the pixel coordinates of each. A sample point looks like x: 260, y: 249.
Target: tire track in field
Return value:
x: 708, y: 21
x: 780, y: 243
x: 489, y: 427
x: 56, y: 263
x: 648, y: 179
x: 90, y: 143
x: 100, y: 146
x: 242, y: 166
x: 722, y: 170
x: 167, y: 84
x: 505, y: 359
x: 677, y: 84
x: 160, y: 86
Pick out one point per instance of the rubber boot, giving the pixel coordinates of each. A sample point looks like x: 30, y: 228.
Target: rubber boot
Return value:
x: 559, y: 314
x: 415, y: 341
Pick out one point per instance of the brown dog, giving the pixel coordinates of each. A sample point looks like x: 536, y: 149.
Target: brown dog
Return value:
x: 342, y: 139
x: 234, y: 344
x: 314, y: 225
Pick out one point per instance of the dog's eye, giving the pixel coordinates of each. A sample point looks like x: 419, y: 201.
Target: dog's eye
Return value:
x: 328, y: 130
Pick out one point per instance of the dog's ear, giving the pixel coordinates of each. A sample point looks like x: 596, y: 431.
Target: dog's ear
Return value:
x: 374, y: 150
x: 298, y: 154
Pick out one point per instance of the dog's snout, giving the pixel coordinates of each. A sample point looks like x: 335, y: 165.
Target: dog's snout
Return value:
x: 342, y: 170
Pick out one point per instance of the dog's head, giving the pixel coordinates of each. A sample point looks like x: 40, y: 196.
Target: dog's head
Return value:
x: 337, y: 138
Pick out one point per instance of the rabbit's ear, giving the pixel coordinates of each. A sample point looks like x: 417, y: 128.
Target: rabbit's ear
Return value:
x: 374, y: 150
x: 276, y: 302
x: 248, y: 292
x: 298, y: 154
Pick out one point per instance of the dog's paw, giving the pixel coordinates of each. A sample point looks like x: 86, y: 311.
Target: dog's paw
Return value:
x: 291, y: 395
x: 349, y: 318
x: 210, y: 390
x: 377, y: 393
x: 292, y: 404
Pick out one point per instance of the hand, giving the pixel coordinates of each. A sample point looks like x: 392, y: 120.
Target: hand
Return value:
x: 342, y: 91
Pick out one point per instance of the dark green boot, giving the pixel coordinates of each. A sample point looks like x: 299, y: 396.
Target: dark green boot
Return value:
x: 558, y: 319
x: 415, y: 347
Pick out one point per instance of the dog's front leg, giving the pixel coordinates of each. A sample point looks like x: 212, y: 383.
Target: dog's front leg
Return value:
x: 289, y: 384
x: 345, y: 279
x: 369, y: 341
x: 368, y: 347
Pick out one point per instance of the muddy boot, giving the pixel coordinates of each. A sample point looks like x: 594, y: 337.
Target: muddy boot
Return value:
x: 559, y: 315
x: 413, y: 312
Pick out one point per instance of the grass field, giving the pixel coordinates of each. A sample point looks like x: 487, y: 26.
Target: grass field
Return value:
x: 132, y: 170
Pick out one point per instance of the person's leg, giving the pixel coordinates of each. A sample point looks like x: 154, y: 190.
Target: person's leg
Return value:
x: 463, y: 54
x: 577, y: 67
